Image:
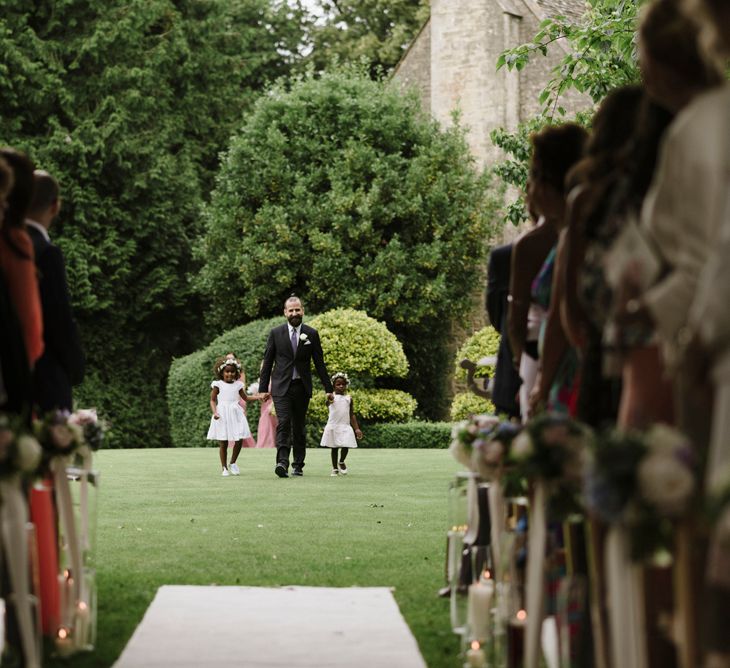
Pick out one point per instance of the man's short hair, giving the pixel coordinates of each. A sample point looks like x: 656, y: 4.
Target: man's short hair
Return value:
x: 45, y: 192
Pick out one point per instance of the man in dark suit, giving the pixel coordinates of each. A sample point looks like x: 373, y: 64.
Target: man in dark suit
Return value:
x: 62, y: 364
x: 506, y: 379
x: 290, y: 350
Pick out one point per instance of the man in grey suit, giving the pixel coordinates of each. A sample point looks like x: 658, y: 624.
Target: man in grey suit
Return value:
x: 290, y: 350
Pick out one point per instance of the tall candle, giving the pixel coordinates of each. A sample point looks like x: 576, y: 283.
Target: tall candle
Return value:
x: 64, y: 644
x: 516, y: 640
x: 475, y: 657
x: 479, y: 609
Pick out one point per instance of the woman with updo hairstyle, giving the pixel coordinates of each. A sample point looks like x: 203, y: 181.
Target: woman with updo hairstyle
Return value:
x: 555, y: 150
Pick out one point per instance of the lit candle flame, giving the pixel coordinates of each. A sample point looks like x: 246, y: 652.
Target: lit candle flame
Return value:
x: 487, y: 574
x: 82, y: 605
x: 475, y: 644
x: 521, y: 615
x: 63, y: 633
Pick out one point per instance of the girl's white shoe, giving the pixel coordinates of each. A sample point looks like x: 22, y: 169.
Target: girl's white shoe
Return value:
x: 225, y: 473
x: 234, y: 469
x: 334, y: 473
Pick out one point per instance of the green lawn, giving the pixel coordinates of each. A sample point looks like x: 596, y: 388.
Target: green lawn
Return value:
x: 168, y: 517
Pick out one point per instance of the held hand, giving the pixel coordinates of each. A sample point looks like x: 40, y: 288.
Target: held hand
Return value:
x: 265, y: 396
x: 358, y: 434
x: 330, y: 397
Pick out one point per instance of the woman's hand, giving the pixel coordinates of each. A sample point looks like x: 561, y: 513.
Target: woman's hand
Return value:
x: 536, y: 399
x: 631, y: 309
x: 358, y: 434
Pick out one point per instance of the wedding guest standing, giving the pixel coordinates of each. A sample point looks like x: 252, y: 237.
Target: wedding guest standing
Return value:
x: 704, y: 137
x: 525, y: 316
x: 506, y: 379
x: 554, y: 152
x: 290, y: 350
x: 62, y: 364
x: 16, y: 254
x: 15, y: 379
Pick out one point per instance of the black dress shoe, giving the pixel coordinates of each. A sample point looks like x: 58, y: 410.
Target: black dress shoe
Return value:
x: 280, y: 470
x: 297, y: 472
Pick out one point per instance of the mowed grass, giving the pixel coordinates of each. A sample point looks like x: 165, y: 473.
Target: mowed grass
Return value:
x: 168, y: 517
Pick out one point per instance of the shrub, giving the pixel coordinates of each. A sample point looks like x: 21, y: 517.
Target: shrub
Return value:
x: 370, y: 406
x: 360, y: 346
x: 468, y: 403
x: 414, y: 434
x: 483, y: 343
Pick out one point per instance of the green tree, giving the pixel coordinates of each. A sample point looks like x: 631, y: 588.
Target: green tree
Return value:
x: 374, y: 31
x: 343, y: 191
x: 128, y: 103
x: 602, y: 56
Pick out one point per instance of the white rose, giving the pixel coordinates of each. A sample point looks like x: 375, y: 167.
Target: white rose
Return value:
x: 522, y: 446
x: 662, y: 438
x: 29, y: 454
x: 303, y: 337
x: 665, y: 483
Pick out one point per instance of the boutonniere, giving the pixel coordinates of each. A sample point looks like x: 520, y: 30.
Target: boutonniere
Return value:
x: 304, y: 338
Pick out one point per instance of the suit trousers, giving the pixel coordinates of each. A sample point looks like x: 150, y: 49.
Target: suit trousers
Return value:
x: 291, y: 411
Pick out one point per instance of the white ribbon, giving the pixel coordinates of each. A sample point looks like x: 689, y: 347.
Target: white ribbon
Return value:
x: 472, y: 510
x: 496, y: 520
x: 14, y: 518
x: 625, y: 603
x: 536, y: 541
x: 68, y: 527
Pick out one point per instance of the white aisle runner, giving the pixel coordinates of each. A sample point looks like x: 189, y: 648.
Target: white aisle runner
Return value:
x: 258, y: 627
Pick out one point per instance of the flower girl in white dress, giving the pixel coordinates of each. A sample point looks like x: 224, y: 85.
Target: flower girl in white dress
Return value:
x: 228, y: 422
x: 341, y: 430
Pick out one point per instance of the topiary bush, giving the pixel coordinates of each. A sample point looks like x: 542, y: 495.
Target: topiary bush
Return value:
x: 483, y: 343
x: 370, y: 406
x: 188, y: 385
x: 465, y: 404
x: 360, y: 346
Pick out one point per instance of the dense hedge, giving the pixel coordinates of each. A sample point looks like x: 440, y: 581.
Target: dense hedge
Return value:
x: 188, y: 385
x: 414, y: 434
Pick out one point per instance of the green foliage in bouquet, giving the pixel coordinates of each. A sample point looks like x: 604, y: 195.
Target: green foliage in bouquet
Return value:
x: 466, y: 404
x: 20, y: 452
x: 360, y: 346
x: 188, y: 383
x: 483, y: 343
x: 553, y: 449
x: 643, y: 481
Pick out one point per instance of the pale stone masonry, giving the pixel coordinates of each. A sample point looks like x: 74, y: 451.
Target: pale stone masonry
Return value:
x: 452, y: 65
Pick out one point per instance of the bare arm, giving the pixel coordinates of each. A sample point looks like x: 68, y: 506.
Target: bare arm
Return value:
x: 353, y: 421
x: 214, y: 402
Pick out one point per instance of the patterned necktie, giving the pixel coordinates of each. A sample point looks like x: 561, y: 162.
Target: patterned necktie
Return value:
x: 294, y: 343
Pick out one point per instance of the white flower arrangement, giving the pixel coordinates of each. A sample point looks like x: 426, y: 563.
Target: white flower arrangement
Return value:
x: 303, y: 337
x: 229, y: 362
x: 665, y: 480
